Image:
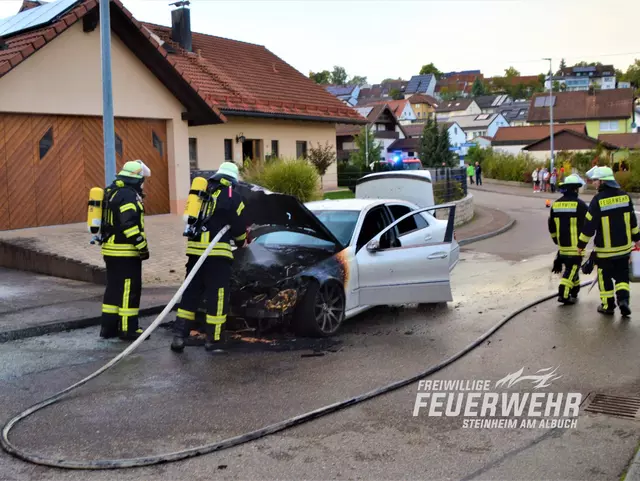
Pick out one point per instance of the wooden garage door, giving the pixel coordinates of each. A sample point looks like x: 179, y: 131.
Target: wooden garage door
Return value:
x: 49, y: 163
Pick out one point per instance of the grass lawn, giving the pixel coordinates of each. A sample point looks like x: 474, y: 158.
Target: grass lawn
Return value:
x: 340, y: 194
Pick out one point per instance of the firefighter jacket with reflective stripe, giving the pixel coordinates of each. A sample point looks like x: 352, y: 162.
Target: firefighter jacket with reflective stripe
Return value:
x: 123, y: 220
x: 566, y: 220
x: 223, y: 207
x: 612, y: 219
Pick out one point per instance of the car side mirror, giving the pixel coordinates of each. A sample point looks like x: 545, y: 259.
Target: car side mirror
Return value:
x: 373, y: 246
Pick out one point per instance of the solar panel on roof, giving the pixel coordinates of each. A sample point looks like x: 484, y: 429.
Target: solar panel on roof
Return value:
x: 540, y: 101
x: 34, y: 17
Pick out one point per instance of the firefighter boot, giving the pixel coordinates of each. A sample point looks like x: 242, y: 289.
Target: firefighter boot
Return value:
x: 181, y: 334
x: 210, y: 343
x: 625, y: 310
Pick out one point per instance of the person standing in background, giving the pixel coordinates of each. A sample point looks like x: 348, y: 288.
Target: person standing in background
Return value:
x: 470, y: 172
x: 478, y: 174
x: 553, y: 180
x: 536, y: 180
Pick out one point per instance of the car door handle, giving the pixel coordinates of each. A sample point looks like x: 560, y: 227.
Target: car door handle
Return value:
x: 427, y: 237
x: 438, y: 255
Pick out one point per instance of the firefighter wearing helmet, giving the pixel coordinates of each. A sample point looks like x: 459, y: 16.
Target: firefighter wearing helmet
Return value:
x: 612, y: 219
x: 124, y: 247
x: 566, y: 220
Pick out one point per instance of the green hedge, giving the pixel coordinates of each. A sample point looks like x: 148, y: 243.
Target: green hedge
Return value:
x: 296, y: 177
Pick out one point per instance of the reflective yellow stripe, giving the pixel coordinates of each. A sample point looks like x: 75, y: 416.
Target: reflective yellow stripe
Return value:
x: 204, y: 245
x: 622, y: 286
x: 557, y: 221
x: 240, y: 208
x: 554, y: 235
x: 127, y: 207
x: 130, y: 232
x: 129, y: 312
x: 600, y: 280
x: 627, y: 225
x: 188, y: 315
x: 584, y: 238
x: 605, y: 255
x: 120, y: 254
x: 568, y: 251
x: 606, y: 232
x: 125, y: 304
x: 241, y: 237
x: 635, y: 231
x: 109, y: 309
x: 574, y: 232
x: 217, y: 321
x: 204, y: 239
x: 589, y: 217
x: 142, y: 245
x: 220, y: 301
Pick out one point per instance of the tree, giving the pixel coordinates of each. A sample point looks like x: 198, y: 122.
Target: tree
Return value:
x: 511, y: 72
x: 358, y: 80
x: 633, y: 74
x: 563, y: 65
x: 478, y: 88
x: 430, y: 69
x: 359, y: 157
x: 322, y: 157
x: 388, y: 80
x: 429, y: 143
x: 395, y: 94
x: 445, y: 95
x: 443, y: 152
x: 339, y: 76
x: 323, y: 77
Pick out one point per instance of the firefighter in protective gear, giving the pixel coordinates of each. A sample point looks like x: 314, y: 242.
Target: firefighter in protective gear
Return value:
x: 223, y: 206
x: 124, y: 247
x: 566, y: 220
x: 612, y: 219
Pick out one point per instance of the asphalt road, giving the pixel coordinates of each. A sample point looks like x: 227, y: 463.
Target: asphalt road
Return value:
x: 157, y: 401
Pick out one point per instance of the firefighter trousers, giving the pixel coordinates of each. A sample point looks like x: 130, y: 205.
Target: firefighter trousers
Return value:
x: 212, y: 283
x: 610, y: 271
x: 121, y: 303
x: 570, y: 283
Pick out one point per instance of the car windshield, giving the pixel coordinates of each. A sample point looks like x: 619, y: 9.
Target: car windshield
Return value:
x: 412, y: 166
x: 289, y: 238
x: 341, y: 223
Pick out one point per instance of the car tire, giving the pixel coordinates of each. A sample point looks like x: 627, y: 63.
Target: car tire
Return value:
x: 320, y: 312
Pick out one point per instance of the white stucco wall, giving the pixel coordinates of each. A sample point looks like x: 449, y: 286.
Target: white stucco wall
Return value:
x: 65, y: 78
x: 210, y: 140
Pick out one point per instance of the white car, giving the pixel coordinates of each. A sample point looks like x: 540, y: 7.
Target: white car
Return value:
x: 316, y: 265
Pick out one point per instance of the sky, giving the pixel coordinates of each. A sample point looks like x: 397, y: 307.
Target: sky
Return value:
x: 393, y: 38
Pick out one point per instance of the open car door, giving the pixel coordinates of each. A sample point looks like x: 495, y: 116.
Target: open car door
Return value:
x: 389, y: 273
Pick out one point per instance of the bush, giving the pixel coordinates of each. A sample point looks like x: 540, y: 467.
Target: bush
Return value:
x: 503, y: 166
x: 292, y: 177
x: 444, y: 191
x: 348, y: 174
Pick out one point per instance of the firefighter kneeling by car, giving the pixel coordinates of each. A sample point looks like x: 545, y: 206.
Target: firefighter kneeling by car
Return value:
x: 612, y: 219
x: 566, y: 219
x: 221, y: 206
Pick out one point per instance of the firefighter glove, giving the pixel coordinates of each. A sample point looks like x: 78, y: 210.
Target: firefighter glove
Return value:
x: 587, y: 267
x: 557, y: 266
x: 144, y: 254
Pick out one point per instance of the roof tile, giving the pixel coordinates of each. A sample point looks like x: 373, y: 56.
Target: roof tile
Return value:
x: 16, y: 59
x: 60, y: 26
x: 27, y: 50
x: 583, y: 105
x: 49, y: 34
x: 70, y: 19
x: 531, y: 133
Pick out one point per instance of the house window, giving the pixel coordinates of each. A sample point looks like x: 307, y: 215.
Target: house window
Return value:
x: 301, y: 148
x: 609, y: 125
x: 157, y: 144
x: 119, y: 147
x: 228, y: 149
x: 46, y: 142
x: 193, y: 153
x: 275, y: 150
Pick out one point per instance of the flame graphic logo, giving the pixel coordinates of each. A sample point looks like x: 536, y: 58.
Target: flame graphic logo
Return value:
x: 540, y: 379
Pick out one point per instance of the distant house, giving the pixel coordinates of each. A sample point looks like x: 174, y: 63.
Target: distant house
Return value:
x: 529, y: 82
x: 460, y: 83
x: 381, y: 91
x: 423, y: 105
x: 582, y: 78
x: 482, y: 125
x: 420, y: 84
x: 604, y: 111
x: 383, y: 125
x: 402, y: 109
x: 625, y: 142
x: 490, y: 104
x: 516, y: 113
x: 513, y: 139
x: 483, y: 141
x: 347, y: 93
x: 455, y: 108
x: 566, y: 140
x: 457, y: 137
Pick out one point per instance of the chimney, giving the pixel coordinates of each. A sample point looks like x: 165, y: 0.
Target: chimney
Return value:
x: 181, y: 25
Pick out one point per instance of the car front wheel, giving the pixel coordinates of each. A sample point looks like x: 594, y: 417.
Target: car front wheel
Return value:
x: 321, y: 311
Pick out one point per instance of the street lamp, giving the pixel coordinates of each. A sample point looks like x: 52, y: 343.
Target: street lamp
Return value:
x: 551, y: 108
x: 107, y: 93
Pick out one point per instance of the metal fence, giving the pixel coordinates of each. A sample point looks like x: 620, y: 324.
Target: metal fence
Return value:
x: 449, y: 184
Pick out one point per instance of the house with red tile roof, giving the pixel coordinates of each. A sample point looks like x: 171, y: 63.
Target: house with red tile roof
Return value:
x: 402, y: 109
x: 181, y: 100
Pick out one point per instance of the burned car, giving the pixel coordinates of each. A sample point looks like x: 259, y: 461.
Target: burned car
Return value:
x: 311, y: 271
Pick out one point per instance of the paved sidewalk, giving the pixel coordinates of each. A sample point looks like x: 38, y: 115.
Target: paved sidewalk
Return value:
x: 486, y: 223
x: 523, y: 191
x: 34, y: 304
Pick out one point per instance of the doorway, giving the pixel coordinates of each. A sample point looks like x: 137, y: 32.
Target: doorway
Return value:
x: 252, y: 149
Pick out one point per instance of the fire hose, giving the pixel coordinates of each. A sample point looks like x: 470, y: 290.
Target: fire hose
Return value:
x: 102, y: 464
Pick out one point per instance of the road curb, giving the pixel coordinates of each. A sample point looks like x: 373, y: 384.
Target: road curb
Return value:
x: 633, y: 472
x: 66, y: 325
x: 501, y: 230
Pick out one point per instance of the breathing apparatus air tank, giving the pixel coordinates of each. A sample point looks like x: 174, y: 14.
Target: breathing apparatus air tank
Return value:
x: 94, y: 213
x: 197, y: 195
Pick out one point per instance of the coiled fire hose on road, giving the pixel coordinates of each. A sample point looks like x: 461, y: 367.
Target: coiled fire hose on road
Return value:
x: 102, y: 464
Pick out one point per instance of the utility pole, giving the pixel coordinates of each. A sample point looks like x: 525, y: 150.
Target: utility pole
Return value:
x: 366, y: 146
x: 551, y: 108
x: 107, y: 93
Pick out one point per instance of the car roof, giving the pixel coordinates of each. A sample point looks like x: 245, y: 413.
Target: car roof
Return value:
x: 350, y: 204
